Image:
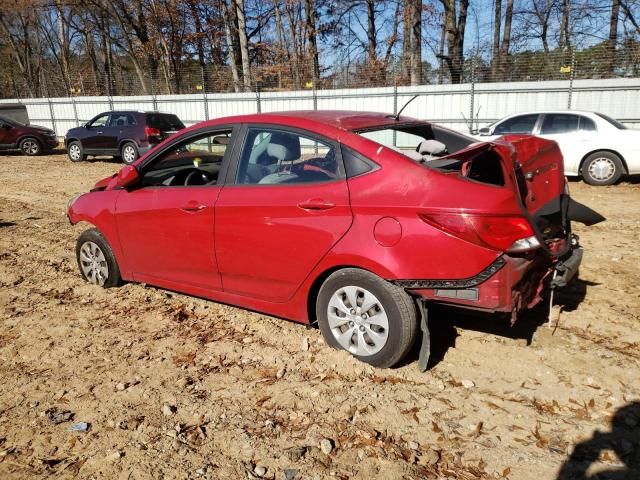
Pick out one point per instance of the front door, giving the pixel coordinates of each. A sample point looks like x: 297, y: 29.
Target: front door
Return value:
x: 288, y: 206
x: 94, y: 138
x: 166, y: 225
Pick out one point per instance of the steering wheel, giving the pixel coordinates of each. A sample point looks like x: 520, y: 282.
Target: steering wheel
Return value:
x: 197, y: 177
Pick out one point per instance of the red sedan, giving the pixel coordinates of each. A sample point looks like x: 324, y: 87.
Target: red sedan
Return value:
x: 352, y: 220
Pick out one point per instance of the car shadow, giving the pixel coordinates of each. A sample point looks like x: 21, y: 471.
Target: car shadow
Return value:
x: 444, y: 322
x: 18, y: 153
x: 623, y: 439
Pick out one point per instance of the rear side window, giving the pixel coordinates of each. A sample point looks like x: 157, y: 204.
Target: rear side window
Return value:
x: 559, y: 123
x: 519, y: 124
x: 355, y: 164
x: 164, y: 121
x: 122, y: 120
x: 587, y: 125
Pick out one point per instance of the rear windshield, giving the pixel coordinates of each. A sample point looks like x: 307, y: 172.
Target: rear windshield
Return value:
x: 164, y: 121
x: 612, y: 121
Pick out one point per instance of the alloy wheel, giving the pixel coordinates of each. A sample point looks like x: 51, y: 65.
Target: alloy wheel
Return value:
x: 128, y: 154
x: 30, y: 147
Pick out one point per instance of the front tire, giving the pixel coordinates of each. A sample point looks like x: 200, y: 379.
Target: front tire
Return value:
x: 96, y: 260
x: 75, y: 152
x: 30, y: 146
x: 129, y: 153
x: 372, y: 319
x: 602, y: 168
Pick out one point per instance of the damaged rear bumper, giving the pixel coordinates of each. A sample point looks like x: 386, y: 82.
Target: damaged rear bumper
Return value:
x: 510, y: 284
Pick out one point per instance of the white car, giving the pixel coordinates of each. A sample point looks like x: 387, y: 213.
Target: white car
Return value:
x: 594, y: 146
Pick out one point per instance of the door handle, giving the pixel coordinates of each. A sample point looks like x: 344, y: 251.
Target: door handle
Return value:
x: 193, y: 206
x: 99, y: 133
x: 316, y: 204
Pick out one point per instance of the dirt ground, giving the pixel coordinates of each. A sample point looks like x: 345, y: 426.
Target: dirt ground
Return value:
x: 178, y: 387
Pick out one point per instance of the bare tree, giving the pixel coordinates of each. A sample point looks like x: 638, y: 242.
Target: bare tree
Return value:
x: 455, y: 22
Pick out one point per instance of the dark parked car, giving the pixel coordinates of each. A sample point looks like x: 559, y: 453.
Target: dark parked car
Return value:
x: 124, y: 134
x: 30, y: 139
x: 311, y: 216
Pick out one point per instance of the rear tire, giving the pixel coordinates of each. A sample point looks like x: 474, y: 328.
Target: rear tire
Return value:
x: 129, y: 153
x: 75, y: 152
x: 30, y: 146
x: 602, y: 168
x: 96, y: 260
x: 372, y: 319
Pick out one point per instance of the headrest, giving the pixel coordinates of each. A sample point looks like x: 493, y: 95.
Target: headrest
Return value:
x: 284, y: 146
x: 221, y: 140
x: 432, y: 147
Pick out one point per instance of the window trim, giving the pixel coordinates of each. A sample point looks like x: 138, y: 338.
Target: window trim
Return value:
x: 232, y: 172
x: 374, y: 166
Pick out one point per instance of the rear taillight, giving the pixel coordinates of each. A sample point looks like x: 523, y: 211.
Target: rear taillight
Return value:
x: 152, y: 132
x: 511, y: 234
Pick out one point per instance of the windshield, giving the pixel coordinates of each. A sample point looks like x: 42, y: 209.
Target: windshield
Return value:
x: 612, y: 121
x: 11, y: 121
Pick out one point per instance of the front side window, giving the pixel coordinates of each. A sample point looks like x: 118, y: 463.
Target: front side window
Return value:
x: 519, y: 124
x: 195, y: 162
x: 555, y: 123
x: 99, y: 122
x: 271, y: 157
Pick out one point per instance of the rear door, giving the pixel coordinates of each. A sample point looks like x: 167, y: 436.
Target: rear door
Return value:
x: 573, y: 133
x: 118, y: 127
x: 287, y: 206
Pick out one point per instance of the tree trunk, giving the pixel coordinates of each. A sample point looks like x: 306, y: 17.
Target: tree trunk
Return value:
x: 231, y: 44
x: 202, y: 61
x: 495, y: 50
x: 310, y: 8
x: 416, y: 42
x: 455, y: 25
x: 244, y: 44
x: 372, y: 40
x: 295, y: 62
x: 407, y: 8
x: 613, y: 36
x: 506, y: 40
x: 564, y: 25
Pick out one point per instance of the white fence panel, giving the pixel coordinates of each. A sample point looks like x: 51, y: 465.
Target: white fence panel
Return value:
x: 449, y: 105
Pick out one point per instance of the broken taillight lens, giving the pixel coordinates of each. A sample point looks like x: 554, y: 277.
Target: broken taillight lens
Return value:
x: 510, y: 233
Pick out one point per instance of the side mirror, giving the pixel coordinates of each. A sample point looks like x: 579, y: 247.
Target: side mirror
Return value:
x: 126, y: 177
x: 6, y: 126
x: 484, y: 131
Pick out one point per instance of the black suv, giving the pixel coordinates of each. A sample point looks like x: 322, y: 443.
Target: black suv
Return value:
x: 123, y: 134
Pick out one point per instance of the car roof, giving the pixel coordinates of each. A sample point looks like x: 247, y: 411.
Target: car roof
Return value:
x: 538, y: 112
x: 341, y: 119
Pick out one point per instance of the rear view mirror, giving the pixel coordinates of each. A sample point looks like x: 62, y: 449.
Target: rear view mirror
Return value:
x: 484, y: 131
x: 127, y: 177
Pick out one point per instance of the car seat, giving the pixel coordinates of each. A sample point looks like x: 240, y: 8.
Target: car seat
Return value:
x: 283, y: 147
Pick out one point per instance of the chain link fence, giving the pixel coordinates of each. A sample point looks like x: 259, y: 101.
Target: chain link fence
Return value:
x: 597, y: 79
